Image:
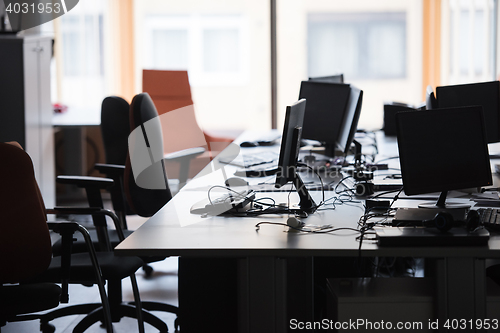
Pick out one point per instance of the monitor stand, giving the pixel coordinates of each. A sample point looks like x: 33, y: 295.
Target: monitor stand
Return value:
x: 329, y: 150
x: 442, y: 204
x: 306, y: 204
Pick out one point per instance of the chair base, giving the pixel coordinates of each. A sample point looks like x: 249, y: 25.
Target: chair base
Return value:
x: 95, y: 314
x: 156, y: 306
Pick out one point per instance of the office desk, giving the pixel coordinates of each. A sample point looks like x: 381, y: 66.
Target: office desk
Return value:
x: 174, y: 231
x: 77, y: 137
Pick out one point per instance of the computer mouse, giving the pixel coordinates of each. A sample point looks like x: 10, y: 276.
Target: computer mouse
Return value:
x: 235, y: 181
x: 248, y: 144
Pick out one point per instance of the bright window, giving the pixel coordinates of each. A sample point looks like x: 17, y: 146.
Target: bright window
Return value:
x: 360, y: 45
x: 213, y: 48
x: 471, y: 41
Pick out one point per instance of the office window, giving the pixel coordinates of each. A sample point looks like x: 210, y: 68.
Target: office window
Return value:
x: 80, y: 38
x: 376, y: 45
x: 224, y: 46
x: 220, y: 50
x: 360, y: 45
x: 472, y: 40
x: 211, y: 47
x: 169, y: 48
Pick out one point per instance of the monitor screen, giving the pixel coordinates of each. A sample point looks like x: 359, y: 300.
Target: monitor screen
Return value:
x: 339, y: 78
x: 486, y: 94
x: 443, y: 149
x: 350, y: 122
x: 326, y: 104
x: 294, y: 118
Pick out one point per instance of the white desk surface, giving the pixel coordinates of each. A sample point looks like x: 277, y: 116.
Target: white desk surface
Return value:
x: 78, y: 117
x: 174, y: 231
x: 460, y: 278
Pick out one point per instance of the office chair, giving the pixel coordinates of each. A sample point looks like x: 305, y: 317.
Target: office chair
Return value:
x: 114, y: 269
x: 115, y: 129
x: 21, y: 201
x: 146, y: 145
x: 114, y: 110
x: 147, y: 190
x: 25, y: 246
x: 170, y: 91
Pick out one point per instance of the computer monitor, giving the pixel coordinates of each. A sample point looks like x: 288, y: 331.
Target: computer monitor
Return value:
x: 486, y: 94
x: 326, y: 105
x: 289, y: 152
x: 442, y: 150
x: 349, y: 124
x: 338, y: 78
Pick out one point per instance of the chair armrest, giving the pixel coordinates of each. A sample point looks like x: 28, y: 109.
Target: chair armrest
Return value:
x: 66, y: 230
x: 90, y: 211
x: 86, y: 181
x: 184, y: 157
x: 110, y: 170
x: 184, y: 154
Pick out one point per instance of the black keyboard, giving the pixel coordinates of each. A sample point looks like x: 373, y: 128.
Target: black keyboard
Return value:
x: 228, y: 203
x: 490, y: 218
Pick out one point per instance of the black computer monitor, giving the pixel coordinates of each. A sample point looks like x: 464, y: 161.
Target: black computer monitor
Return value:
x: 442, y: 150
x: 337, y: 78
x: 349, y: 124
x: 486, y: 94
x: 289, y: 152
x: 326, y: 105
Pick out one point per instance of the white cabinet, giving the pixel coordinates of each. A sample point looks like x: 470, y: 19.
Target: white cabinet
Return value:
x: 25, y: 107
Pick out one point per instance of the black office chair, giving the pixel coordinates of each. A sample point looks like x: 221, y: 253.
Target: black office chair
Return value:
x: 147, y: 192
x: 153, y: 191
x: 115, y: 128
x: 25, y: 246
x: 114, y: 269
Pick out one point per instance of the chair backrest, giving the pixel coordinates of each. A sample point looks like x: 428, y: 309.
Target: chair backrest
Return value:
x: 146, y: 186
x: 25, y: 245
x: 115, y: 128
x: 171, y: 87
x: 171, y: 94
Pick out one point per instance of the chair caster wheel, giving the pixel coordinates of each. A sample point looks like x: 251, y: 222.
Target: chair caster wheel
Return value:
x: 47, y: 328
x: 148, y: 270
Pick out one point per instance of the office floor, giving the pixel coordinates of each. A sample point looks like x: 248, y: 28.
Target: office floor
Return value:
x: 162, y: 286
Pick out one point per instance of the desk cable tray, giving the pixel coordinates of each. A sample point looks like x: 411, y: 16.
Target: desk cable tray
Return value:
x: 232, y: 202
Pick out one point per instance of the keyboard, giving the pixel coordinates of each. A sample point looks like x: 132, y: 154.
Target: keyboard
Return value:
x: 490, y: 218
x: 257, y: 171
x: 227, y: 203
x: 253, y: 160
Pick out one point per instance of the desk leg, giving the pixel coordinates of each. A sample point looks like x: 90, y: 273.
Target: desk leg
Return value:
x: 461, y: 289
x: 262, y: 291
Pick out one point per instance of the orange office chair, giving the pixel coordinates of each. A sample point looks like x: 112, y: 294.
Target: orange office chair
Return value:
x: 170, y: 91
